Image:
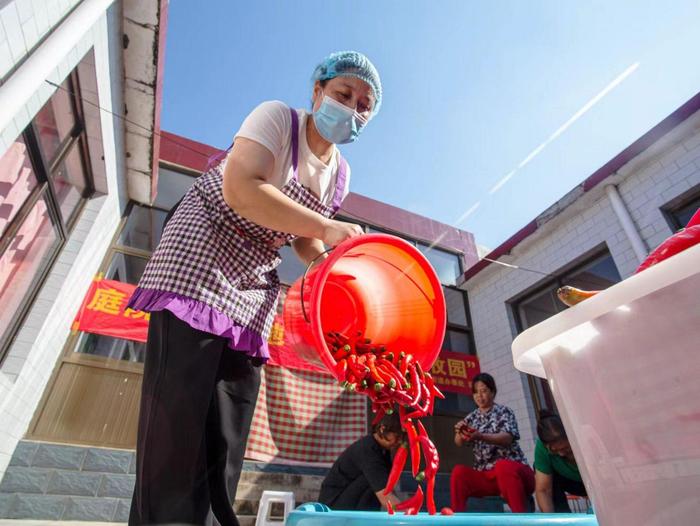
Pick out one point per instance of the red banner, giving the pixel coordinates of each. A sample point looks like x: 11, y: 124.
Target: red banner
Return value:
x: 454, y: 371
x: 282, y: 353
x: 104, y: 312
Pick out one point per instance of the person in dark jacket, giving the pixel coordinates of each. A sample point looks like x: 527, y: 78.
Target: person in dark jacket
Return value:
x: 360, y: 474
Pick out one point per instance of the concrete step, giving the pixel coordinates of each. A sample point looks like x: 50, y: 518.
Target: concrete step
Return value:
x: 244, y: 520
x: 281, y: 479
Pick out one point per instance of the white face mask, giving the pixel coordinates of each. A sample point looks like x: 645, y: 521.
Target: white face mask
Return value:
x: 336, y: 122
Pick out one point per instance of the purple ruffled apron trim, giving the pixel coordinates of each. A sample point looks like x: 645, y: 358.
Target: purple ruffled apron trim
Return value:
x: 202, y: 317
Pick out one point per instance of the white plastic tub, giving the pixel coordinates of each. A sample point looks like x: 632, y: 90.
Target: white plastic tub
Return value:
x: 624, y: 367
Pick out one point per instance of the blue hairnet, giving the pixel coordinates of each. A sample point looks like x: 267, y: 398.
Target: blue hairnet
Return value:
x: 351, y: 64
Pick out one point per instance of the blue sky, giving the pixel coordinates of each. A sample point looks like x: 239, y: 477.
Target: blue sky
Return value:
x: 472, y: 90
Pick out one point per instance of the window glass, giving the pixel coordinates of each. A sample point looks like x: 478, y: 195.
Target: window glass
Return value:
x: 457, y: 341
x: 108, y: 347
x: 540, y: 307
x: 682, y: 214
x: 24, y: 259
x: 69, y: 182
x: 446, y: 264
x: 126, y: 268
x: 55, y: 121
x: 597, y: 275
x: 454, y: 404
x: 291, y: 267
x: 17, y: 180
x: 456, y: 306
x: 172, y: 186
x: 143, y: 228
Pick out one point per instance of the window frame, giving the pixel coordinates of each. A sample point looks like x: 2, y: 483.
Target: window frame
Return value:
x: 536, y: 384
x: 670, y: 209
x: 43, y: 172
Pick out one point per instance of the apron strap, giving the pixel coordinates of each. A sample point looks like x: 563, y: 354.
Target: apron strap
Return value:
x: 340, y: 183
x: 295, y: 143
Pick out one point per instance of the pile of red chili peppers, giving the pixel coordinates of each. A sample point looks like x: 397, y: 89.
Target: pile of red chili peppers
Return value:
x: 390, y: 380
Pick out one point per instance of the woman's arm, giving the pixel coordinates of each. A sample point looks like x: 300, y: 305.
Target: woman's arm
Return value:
x: 247, y: 191
x: 307, y: 249
x: 543, y: 492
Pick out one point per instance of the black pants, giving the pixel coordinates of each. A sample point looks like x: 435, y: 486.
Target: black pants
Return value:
x: 560, y: 485
x: 358, y: 495
x: 197, y: 404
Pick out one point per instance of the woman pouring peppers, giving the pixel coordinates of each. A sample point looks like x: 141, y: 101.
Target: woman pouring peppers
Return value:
x: 212, y: 289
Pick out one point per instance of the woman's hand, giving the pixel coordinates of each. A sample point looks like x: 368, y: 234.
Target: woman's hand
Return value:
x: 335, y: 232
x: 465, y: 433
x: 473, y: 434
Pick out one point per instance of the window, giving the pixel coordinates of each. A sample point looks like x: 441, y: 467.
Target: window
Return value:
x: 447, y: 265
x: 456, y: 306
x: 113, y: 348
x: 44, y: 182
x: 454, y: 404
x: 457, y: 340
x: 595, y: 274
x: 598, y: 274
x: 679, y: 215
x: 126, y: 268
x: 144, y: 226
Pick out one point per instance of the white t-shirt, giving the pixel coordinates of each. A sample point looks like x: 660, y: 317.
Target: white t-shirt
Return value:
x: 270, y: 124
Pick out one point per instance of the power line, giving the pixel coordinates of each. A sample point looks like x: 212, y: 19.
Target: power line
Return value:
x: 187, y: 147
x: 125, y: 119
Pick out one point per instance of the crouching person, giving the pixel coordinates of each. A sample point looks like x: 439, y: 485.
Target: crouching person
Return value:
x: 360, y: 474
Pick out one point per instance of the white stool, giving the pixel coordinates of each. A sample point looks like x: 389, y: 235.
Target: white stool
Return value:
x: 268, y: 497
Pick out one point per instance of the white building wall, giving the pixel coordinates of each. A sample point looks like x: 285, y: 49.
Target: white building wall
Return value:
x: 26, y: 370
x: 667, y: 170
x: 23, y: 23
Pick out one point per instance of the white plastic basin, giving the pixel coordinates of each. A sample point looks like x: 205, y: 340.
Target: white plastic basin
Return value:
x: 624, y: 368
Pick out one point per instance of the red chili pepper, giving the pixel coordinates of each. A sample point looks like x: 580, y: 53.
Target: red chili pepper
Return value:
x: 432, y: 459
x: 430, y: 495
x: 432, y: 462
x: 418, y: 413
x: 446, y: 511
x: 389, y: 507
x: 411, y: 511
x: 438, y: 393
x: 376, y: 375
x: 360, y: 371
x: 396, y: 468
x: 380, y: 414
x: 426, y: 400
x: 416, y: 389
x: 341, y: 368
x: 412, y: 502
x: 386, y: 367
x: 400, y: 397
x: 343, y: 352
x: 413, y: 445
x: 420, y: 370
x: 407, y: 360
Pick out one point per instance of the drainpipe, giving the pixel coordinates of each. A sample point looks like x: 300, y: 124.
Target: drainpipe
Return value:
x: 37, y: 67
x: 623, y: 215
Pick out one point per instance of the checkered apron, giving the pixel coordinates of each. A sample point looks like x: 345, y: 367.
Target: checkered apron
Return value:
x: 212, y: 255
